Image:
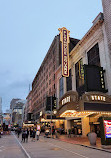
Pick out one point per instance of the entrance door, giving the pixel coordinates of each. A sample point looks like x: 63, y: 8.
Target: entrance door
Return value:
x: 97, y: 129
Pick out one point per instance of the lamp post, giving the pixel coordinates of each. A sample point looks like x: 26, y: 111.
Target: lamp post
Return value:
x: 52, y: 112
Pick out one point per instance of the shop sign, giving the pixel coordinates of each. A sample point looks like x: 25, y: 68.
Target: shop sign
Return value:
x: 107, y: 127
x: 98, y: 97
x: 64, y: 38
x: 66, y: 100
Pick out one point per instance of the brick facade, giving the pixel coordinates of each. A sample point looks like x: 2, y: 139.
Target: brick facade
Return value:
x: 107, y: 21
x: 44, y: 83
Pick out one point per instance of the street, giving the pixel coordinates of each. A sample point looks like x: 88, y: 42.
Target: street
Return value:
x: 11, y: 147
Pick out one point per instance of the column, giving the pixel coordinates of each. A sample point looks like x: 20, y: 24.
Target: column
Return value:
x: 67, y: 124
x: 85, y: 126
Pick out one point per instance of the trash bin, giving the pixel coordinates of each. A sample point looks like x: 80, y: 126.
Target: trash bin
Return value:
x: 92, y: 138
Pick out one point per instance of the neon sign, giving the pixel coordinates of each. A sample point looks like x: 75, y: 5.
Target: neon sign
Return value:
x: 98, y: 97
x: 66, y: 100
x: 64, y: 38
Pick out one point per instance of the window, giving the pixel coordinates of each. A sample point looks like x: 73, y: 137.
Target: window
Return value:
x: 61, y: 87
x: 93, y: 56
x: 54, y: 86
x: 69, y: 81
x: 79, y: 77
x: 49, y: 81
x: 54, y: 77
x: 54, y: 68
x: 49, y: 91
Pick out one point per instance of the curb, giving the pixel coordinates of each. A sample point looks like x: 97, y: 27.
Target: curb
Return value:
x: 94, y: 148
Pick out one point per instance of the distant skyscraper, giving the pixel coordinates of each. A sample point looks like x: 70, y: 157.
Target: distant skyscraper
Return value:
x: 0, y: 105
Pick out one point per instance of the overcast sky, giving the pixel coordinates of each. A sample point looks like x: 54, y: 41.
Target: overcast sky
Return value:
x: 27, y: 29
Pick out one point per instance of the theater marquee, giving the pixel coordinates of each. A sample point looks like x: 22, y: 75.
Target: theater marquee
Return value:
x: 64, y: 38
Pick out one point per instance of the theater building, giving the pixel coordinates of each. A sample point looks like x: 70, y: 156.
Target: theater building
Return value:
x: 85, y: 94
x: 44, y: 83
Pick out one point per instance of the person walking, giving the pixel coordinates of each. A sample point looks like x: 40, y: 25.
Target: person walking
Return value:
x: 33, y: 135
x: 53, y: 132
x: 23, y: 135
x: 37, y: 134
x: 69, y: 133
x: 27, y: 134
x: 18, y: 132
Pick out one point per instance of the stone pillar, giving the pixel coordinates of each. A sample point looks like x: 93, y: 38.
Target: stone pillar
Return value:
x: 67, y: 124
x: 57, y: 123
x: 85, y: 126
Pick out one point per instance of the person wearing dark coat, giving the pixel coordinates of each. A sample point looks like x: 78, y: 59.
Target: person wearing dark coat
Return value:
x: 27, y: 134
x: 23, y: 135
x: 33, y: 135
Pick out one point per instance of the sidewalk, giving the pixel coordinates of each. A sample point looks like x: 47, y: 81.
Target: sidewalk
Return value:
x: 83, y: 141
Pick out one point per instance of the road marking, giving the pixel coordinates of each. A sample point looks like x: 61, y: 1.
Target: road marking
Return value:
x: 22, y: 147
x: 69, y: 150
x: 2, y: 150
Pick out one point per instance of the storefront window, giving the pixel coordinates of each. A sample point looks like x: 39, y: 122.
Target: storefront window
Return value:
x: 61, y: 87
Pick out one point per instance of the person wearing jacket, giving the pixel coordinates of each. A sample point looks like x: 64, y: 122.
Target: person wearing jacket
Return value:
x: 37, y: 134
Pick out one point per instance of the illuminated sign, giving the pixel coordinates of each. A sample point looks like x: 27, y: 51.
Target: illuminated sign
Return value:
x: 98, y: 98
x: 107, y: 126
x: 81, y: 70
x: 64, y: 38
x: 40, y: 113
x: 66, y: 100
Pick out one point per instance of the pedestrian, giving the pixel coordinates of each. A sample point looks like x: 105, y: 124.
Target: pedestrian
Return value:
x: 33, y: 135
x: 69, y: 133
x: 23, y: 135
x: 56, y: 134
x: 18, y: 132
x: 31, y: 131
x: 27, y: 134
x: 53, y: 132
x: 37, y: 134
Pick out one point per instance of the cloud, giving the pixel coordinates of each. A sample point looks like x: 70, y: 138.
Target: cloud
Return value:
x: 12, y: 88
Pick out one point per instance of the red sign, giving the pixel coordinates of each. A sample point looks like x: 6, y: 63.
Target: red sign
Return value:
x: 107, y: 125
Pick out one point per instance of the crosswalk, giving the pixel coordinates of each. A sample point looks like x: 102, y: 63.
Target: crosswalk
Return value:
x: 2, y: 148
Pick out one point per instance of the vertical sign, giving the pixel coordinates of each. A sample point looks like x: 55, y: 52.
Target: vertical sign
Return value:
x: 64, y: 38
